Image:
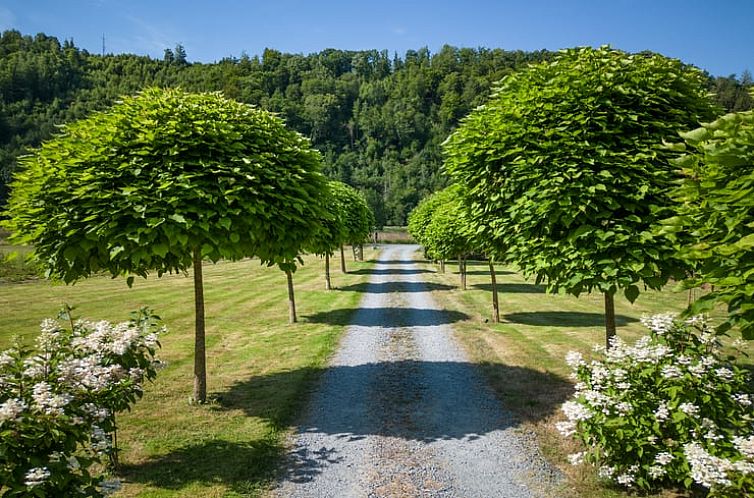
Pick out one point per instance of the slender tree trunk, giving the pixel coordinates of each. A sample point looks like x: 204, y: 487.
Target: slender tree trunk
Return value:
x: 442, y: 266
x: 328, y: 284
x: 291, y: 298
x: 495, y: 304
x: 342, y: 259
x: 461, y: 272
x: 200, y: 364
x: 609, y: 317
x: 361, y: 252
x: 354, y: 251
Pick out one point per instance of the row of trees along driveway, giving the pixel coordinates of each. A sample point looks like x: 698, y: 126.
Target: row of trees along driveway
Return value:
x: 164, y: 180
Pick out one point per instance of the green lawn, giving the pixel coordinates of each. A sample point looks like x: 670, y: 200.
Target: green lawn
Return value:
x: 259, y: 368
x: 524, y: 356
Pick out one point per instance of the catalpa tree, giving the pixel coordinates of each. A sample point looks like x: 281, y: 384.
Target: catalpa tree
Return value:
x: 162, y: 181
x: 714, y: 222
x: 567, y: 173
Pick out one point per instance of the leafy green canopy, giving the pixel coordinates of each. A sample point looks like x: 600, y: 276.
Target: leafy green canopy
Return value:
x: 439, y: 223
x: 716, y: 212
x: 140, y: 186
x: 565, y: 170
x: 332, y: 233
x: 358, y: 218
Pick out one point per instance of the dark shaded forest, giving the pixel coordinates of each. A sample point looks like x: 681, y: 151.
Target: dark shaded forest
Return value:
x: 377, y: 118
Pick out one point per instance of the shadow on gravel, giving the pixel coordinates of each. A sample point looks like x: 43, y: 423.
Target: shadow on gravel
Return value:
x: 411, y: 400
x: 513, y: 288
x: 387, y: 317
x: 390, y: 271
x: 564, y: 318
x: 393, y: 261
x: 388, y: 287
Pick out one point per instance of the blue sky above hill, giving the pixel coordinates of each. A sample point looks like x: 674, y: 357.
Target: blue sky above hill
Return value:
x: 716, y: 36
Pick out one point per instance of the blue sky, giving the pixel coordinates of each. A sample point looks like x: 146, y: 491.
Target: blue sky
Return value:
x: 716, y: 35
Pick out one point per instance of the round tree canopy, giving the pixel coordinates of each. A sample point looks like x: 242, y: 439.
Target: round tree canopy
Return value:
x: 141, y: 186
x: 566, y: 169
x: 332, y: 230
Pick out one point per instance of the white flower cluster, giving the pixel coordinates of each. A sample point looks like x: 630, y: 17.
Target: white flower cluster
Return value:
x: 47, y: 402
x: 11, y: 410
x: 108, y: 338
x: 89, y: 373
x: 72, y: 385
x: 668, y: 375
x: 36, y: 476
x: 660, y: 324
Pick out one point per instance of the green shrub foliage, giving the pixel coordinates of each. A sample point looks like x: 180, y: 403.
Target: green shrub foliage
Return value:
x: 141, y: 186
x: 715, y: 215
x: 565, y: 170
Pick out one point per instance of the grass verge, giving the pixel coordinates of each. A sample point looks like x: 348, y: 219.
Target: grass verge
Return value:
x: 259, y: 368
x: 523, y: 357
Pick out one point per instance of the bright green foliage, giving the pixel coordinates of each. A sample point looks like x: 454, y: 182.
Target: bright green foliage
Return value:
x: 421, y: 216
x: 358, y: 219
x: 331, y: 233
x: 565, y: 170
x: 139, y: 187
x: 716, y: 212
x: 447, y: 235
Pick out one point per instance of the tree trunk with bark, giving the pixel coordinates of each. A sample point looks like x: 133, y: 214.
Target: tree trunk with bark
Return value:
x: 328, y: 284
x: 495, y: 304
x: 200, y: 364
x: 609, y: 317
x: 342, y: 259
x: 291, y: 298
x: 462, y: 272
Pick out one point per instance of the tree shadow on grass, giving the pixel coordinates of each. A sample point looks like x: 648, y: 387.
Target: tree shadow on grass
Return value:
x: 564, y: 319
x: 513, y: 288
x: 244, y: 466
x: 387, y: 317
x: 388, y: 287
x: 487, y: 272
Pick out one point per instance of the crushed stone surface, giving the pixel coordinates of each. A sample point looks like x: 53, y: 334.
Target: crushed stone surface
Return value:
x: 401, y: 412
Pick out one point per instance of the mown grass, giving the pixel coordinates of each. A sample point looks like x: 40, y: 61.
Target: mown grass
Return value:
x: 232, y: 445
x: 524, y: 356
x: 14, y: 265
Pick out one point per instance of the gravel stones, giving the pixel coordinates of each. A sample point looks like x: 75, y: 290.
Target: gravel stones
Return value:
x: 402, y: 413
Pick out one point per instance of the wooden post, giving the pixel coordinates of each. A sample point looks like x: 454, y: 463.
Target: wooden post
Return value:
x: 291, y: 298
x: 200, y: 364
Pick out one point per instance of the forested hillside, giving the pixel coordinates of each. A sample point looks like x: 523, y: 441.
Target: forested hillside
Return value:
x: 377, y: 118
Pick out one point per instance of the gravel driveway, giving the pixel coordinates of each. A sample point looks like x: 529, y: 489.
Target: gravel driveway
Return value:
x: 402, y: 413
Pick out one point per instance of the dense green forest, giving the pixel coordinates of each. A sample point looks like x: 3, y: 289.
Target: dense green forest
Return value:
x: 377, y: 118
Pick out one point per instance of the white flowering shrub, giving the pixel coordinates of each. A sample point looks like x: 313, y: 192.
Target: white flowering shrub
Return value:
x: 58, y: 402
x: 670, y: 410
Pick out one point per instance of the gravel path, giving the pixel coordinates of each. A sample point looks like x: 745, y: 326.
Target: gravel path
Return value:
x: 401, y: 412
